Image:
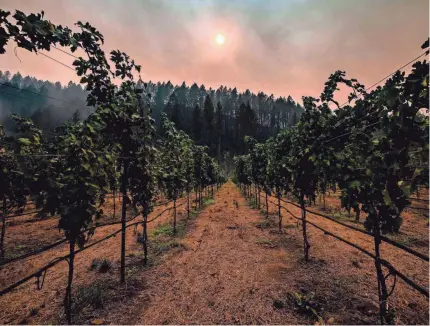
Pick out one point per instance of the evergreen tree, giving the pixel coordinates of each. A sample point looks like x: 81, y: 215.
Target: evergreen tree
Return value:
x: 209, y: 117
x: 197, y: 124
x: 294, y: 119
x: 173, y: 110
x: 219, y: 127
x: 250, y: 122
x: 261, y: 116
x: 240, y: 127
x: 76, y: 117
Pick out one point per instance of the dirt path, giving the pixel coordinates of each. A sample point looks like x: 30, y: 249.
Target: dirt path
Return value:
x: 231, y: 266
x: 226, y: 275
x: 237, y: 269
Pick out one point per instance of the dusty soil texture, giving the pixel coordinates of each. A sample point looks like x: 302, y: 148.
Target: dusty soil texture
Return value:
x: 27, y: 305
x: 227, y: 265
x: 236, y: 268
x: 30, y: 232
x: 342, y: 262
x: 414, y: 231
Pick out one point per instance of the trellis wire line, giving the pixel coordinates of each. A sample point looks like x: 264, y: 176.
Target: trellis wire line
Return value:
x: 59, y: 259
x: 383, y: 238
x: 383, y: 262
x: 72, y: 55
x: 59, y: 62
x: 59, y: 242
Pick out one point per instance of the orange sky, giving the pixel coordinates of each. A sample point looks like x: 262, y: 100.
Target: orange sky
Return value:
x: 285, y: 47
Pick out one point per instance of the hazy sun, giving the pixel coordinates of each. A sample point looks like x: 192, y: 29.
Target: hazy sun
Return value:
x: 220, y: 39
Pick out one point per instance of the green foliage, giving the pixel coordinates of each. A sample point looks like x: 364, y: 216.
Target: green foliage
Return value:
x: 207, y: 202
x: 92, y: 296
x: 243, y: 169
x: 70, y: 173
x: 163, y: 229
x: 176, y: 159
x: 306, y: 305
x: 14, y: 190
x: 375, y: 150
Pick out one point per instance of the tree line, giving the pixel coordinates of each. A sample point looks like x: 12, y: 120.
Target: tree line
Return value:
x: 219, y: 119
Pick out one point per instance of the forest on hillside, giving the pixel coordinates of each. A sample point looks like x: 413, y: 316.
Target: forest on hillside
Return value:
x: 217, y: 118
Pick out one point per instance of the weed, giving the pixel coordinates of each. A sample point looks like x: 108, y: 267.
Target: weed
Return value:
x: 252, y: 203
x: 164, y: 246
x: 208, y: 201
x: 264, y: 242
x: 337, y: 215
x: 163, y: 229
x: 291, y: 226
x: 139, y: 238
x: 278, y: 304
x: 305, y: 304
x: 105, y: 266
x: 194, y: 214
x: 130, y: 271
x: 266, y: 224
x: 94, y: 264
x: 391, y: 316
x: 102, y: 265
x: 89, y: 296
x: 356, y: 264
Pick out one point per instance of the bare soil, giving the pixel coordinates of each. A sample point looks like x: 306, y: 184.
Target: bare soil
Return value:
x: 228, y: 265
x: 26, y: 304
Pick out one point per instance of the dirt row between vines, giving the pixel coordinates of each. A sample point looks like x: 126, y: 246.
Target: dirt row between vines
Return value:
x: 235, y: 268
x: 340, y: 261
x: 26, y: 304
x: 27, y: 233
x: 230, y: 265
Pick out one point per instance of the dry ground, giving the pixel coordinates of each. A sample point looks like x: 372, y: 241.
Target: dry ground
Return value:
x: 229, y: 265
x: 27, y: 304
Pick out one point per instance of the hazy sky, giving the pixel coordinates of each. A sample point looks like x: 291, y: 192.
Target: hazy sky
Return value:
x: 284, y: 47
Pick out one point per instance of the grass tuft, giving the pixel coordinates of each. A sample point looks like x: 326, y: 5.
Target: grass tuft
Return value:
x: 92, y: 296
x: 163, y: 229
x: 264, y: 242
x: 306, y: 305
x: 265, y: 224
x: 101, y: 265
x: 208, y: 201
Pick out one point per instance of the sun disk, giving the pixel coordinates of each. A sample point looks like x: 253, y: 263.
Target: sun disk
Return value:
x: 220, y: 39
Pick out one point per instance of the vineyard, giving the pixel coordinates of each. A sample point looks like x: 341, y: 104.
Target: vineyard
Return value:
x: 111, y: 220
x: 71, y: 174
x: 375, y: 151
